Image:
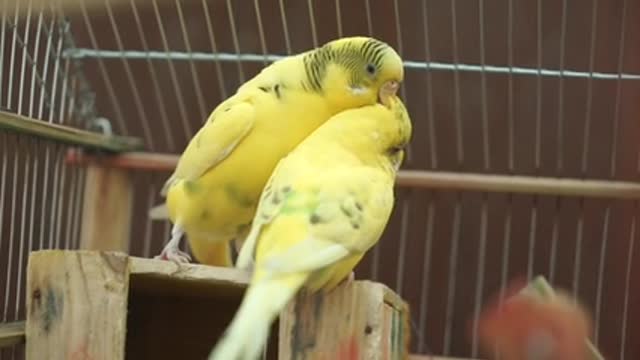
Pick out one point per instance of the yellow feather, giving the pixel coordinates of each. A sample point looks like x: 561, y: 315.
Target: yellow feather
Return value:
x: 214, y: 191
x: 325, y: 205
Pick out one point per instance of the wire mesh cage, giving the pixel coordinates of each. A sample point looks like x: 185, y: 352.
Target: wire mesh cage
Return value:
x: 504, y: 87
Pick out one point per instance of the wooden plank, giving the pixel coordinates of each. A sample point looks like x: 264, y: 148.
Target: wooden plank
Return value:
x: 107, y: 209
x: 11, y: 333
x: 130, y: 160
x: 76, y: 305
x: 360, y: 320
x: 417, y: 179
x: 170, y: 279
x: 519, y: 184
x: 104, y: 305
x: 189, y: 272
x: 68, y: 135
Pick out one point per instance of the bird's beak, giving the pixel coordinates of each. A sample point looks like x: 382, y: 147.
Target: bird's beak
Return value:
x: 387, y: 91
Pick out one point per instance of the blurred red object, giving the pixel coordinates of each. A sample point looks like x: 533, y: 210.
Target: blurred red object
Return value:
x: 526, y: 327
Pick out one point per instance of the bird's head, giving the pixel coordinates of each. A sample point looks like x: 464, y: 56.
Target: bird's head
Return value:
x: 352, y: 71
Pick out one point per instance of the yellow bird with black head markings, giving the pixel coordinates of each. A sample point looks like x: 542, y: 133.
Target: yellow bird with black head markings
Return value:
x: 213, y: 193
x: 325, y: 205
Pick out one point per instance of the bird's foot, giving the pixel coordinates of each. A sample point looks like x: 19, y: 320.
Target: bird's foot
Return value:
x: 172, y: 250
x: 174, y: 254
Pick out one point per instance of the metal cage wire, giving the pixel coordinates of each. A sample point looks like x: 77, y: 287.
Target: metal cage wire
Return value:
x: 40, y: 198
x: 504, y: 87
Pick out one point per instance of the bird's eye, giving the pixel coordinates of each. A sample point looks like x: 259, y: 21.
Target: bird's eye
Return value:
x: 371, y: 69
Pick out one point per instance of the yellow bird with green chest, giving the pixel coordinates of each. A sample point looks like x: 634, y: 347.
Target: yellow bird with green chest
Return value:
x: 213, y: 193
x: 325, y: 205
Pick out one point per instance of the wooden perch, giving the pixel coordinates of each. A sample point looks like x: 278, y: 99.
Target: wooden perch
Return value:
x: 131, y: 160
x: 65, y: 134
x: 413, y: 178
x: 519, y: 184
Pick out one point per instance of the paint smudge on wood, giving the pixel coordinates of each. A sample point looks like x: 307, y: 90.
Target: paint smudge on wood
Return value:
x: 301, y: 339
x: 355, y: 321
x: 348, y: 349
x: 81, y: 353
x: 47, y: 305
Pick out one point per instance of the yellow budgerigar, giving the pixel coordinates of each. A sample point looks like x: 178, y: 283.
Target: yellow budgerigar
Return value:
x: 325, y: 205
x: 213, y: 193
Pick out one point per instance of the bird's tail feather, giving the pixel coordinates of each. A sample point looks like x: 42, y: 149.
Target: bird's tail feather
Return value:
x: 159, y: 212
x: 247, y: 335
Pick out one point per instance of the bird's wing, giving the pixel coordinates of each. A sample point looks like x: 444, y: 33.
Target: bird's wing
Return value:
x: 342, y: 212
x: 226, y: 127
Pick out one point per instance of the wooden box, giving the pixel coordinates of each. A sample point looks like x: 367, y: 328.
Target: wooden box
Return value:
x: 91, y: 305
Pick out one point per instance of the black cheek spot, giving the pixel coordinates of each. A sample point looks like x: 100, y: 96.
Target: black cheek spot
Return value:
x: 286, y: 189
x: 227, y: 109
x: 263, y: 88
x: 314, y: 219
x: 358, y: 206
x: 355, y: 225
x: 275, y: 199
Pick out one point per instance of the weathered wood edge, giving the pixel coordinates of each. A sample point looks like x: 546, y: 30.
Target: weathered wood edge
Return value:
x: 189, y: 272
x: 404, y: 315
x: 163, y: 268
x: 12, y: 333
x: 67, y: 135
x: 97, y: 282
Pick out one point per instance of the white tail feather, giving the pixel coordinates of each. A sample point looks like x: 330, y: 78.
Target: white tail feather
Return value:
x: 247, y: 335
x: 245, y: 257
x: 159, y: 212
